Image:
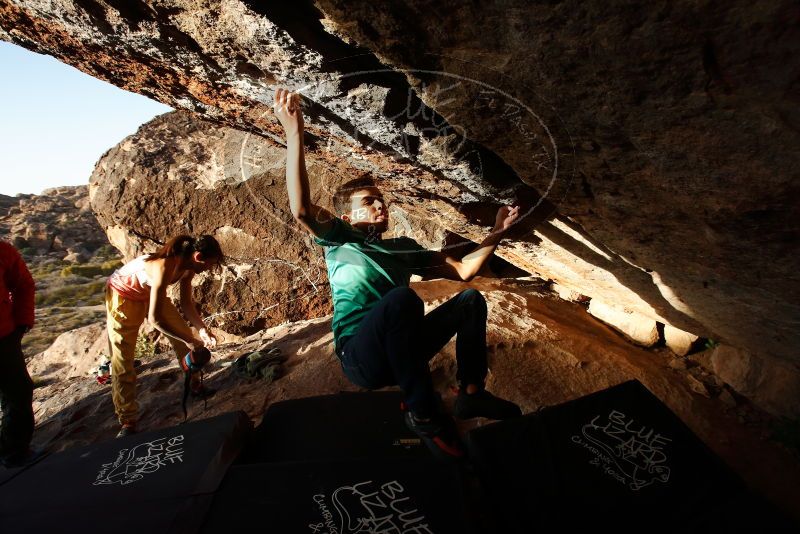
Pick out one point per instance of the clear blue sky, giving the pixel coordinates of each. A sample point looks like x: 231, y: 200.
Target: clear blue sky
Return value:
x: 56, y: 122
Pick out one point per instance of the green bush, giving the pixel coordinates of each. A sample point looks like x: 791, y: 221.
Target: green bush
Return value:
x: 81, y: 270
x: 46, y: 269
x: 106, y: 251
x: 90, y: 270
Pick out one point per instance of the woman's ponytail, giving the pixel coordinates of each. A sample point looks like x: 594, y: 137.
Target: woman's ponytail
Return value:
x: 181, y: 245
x: 184, y: 246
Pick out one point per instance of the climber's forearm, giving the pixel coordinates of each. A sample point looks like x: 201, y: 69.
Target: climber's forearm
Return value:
x: 467, y: 267
x: 473, y: 262
x: 189, y: 309
x: 315, y: 219
x: 297, y: 177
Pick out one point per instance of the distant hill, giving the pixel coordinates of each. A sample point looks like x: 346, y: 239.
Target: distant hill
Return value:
x: 68, y: 254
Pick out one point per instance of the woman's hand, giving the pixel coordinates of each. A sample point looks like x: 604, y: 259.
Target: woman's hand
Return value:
x: 208, y: 339
x: 287, y: 109
x: 194, y: 344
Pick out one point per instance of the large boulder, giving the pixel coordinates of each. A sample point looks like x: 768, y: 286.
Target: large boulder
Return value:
x: 668, y: 110
x: 643, y: 126
x: 73, y: 354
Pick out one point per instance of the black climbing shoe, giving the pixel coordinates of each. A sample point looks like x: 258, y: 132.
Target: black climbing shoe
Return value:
x: 438, y: 434
x: 484, y: 404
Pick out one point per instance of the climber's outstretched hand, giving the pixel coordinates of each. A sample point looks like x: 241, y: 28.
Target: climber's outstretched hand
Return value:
x: 287, y: 109
x: 505, y: 219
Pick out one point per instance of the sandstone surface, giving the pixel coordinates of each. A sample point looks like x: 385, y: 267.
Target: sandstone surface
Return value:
x: 680, y: 342
x: 192, y: 169
x: 74, y: 354
x: 636, y: 327
x: 653, y: 147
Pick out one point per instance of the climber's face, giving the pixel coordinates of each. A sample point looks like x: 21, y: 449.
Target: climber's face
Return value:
x: 368, y: 211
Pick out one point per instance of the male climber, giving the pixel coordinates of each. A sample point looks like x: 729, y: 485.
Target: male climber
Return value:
x: 382, y: 335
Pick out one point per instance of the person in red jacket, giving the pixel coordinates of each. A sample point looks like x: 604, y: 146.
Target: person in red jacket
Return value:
x: 16, y: 387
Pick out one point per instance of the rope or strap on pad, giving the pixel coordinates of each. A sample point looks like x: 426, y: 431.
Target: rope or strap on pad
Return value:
x: 193, y: 363
x: 187, y: 388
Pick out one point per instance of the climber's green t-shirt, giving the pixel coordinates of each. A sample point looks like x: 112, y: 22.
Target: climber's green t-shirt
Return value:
x: 363, y: 270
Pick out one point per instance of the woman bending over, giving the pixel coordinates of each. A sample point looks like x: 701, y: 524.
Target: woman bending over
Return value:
x: 138, y: 290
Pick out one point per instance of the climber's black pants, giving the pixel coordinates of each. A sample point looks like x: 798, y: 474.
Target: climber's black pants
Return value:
x: 395, y: 341
x: 16, y: 395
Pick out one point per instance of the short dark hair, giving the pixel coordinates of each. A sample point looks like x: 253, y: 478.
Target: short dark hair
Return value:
x: 341, y: 197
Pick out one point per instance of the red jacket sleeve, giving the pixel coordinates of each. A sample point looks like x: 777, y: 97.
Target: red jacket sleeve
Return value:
x: 20, y: 284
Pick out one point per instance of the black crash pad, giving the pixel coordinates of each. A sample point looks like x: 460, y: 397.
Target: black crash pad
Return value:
x: 344, y: 426
x: 148, y: 482
x: 8, y: 473
x: 616, y: 460
x: 388, y: 497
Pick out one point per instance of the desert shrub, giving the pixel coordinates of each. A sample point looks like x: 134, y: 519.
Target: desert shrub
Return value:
x: 91, y: 269
x: 81, y: 270
x: 46, y: 269
x: 106, y: 252
x: 144, y: 348
x: 111, y: 265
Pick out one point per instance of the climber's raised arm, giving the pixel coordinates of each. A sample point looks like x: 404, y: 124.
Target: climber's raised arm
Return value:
x: 315, y: 219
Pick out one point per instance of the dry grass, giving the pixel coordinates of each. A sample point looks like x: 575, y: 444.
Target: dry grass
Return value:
x: 67, y: 296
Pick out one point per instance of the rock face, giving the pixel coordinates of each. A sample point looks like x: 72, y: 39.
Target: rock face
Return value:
x: 665, y: 140
x: 73, y: 354
x: 57, y: 223
x: 680, y: 342
x: 641, y: 330
x: 767, y: 384
x: 667, y: 111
